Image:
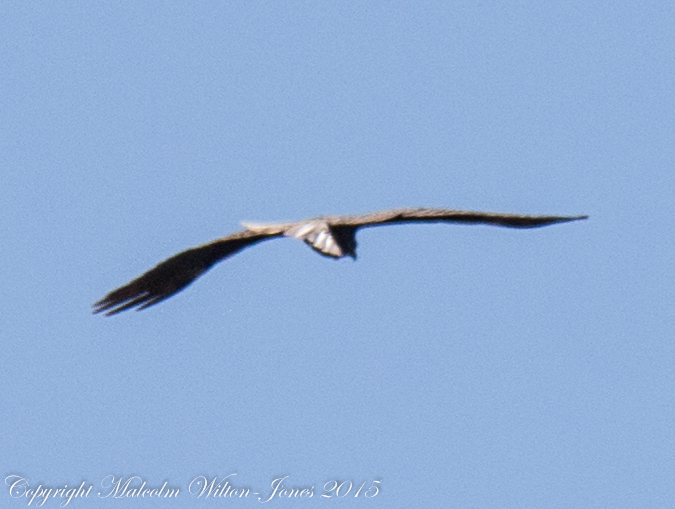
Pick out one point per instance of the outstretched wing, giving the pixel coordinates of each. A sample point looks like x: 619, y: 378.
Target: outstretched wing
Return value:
x: 427, y: 215
x: 335, y: 236
x: 174, y: 274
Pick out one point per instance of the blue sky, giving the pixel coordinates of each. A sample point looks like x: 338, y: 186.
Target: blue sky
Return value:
x: 458, y: 366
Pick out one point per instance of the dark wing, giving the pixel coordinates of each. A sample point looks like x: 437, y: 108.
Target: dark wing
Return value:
x: 427, y: 215
x: 174, y: 274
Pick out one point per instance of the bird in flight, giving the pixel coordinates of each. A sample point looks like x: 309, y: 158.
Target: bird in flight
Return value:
x: 331, y: 236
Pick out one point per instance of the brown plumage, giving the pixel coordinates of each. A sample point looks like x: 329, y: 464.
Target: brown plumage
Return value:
x: 331, y: 236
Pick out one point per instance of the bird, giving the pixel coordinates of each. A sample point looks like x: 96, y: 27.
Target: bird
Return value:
x: 330, y: 236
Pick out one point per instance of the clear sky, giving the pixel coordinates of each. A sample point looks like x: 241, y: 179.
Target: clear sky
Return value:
x: 458, y: 366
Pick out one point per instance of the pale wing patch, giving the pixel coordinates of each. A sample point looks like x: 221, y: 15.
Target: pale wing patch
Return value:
x: 318, y: 235
x: 331, y: 248
x: 321, y: 240
x: 254, y: 227
x: 272, y: 229
x: 304, y: 230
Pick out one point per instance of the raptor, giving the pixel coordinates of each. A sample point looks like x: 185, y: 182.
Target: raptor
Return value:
x: 330, y: 236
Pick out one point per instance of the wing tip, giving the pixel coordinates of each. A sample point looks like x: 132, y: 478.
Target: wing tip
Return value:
x: 574, y: 218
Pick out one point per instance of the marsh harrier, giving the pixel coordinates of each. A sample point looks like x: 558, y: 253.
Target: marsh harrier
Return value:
x: 331, y: 236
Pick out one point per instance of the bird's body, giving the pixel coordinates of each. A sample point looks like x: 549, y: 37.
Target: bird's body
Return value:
x: 331, y: 236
